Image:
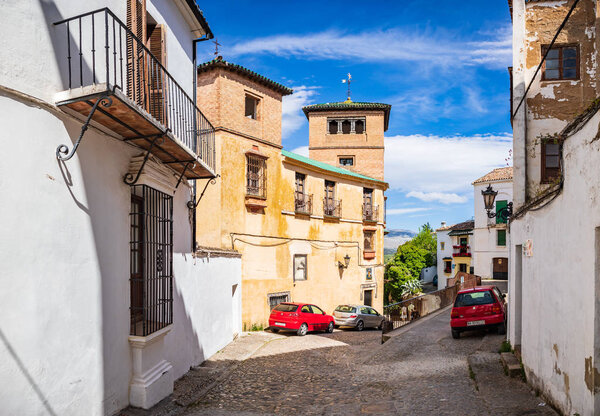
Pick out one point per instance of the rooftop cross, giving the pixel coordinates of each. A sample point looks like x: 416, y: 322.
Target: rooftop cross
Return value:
x: 348, y: 81
x: 217, y: 44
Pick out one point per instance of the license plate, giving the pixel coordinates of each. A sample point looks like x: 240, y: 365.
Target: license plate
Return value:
x: 280, y: 323
x: 472, y: 323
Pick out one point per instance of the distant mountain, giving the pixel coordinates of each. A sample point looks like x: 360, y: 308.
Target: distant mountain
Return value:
x: 395, y: 238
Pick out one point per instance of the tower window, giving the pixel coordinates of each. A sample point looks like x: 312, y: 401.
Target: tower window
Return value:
x: 359, y: 127
x: 346, y: 127
x: 333, y: 127
x: 562, y: 62
x: 251, y: 107
x: 346, y: 160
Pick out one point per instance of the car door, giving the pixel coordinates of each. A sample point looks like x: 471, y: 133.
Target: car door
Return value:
x: 365, y: 316
x: 319, y: 318
x: 375, y: 318
x: 308, y: 316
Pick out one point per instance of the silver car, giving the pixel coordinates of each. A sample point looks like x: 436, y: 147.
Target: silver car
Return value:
x: 357, y: 316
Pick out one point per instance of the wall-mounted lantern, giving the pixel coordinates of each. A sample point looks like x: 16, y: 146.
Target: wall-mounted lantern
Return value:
x: 489, y: 196
x: 346, y: 262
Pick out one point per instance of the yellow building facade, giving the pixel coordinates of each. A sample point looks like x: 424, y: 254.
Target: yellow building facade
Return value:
x: 307, y: 231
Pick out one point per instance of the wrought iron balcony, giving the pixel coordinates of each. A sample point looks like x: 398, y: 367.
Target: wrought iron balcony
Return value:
x: 332, y: 208
x: 370, y: 212
x: 303, y: 203
x: 461, y: 251
x: 115, y: 81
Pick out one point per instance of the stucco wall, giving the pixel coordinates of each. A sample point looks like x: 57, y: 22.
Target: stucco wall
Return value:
x: 558, y: 283
x: 485, y: 240
x: 443, y: 237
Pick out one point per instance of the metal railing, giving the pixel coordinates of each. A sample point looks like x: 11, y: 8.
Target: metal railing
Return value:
x: 303, y: 203
x: 370, y: 212
x: 461, y: 251
x: 101, y: 49
x: 332, y: 207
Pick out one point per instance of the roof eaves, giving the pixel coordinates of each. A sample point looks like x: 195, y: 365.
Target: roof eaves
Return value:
x: 351, y: 105
x: 200, y: 17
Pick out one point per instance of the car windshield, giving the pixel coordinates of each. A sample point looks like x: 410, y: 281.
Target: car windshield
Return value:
x: 345, y: 308
x: 285, y: 307
x: 474, y: 299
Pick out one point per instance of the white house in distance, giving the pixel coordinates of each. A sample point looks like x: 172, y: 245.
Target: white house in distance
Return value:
x: 454, y: 250
x: 105, y: 299
x: 490, y: 249
x: 444, y: 255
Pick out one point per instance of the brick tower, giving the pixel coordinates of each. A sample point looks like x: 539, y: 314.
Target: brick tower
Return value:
x: 349, y: 134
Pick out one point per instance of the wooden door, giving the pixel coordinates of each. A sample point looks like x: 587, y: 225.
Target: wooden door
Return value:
x: 500, y: 268
x: 368, y: 298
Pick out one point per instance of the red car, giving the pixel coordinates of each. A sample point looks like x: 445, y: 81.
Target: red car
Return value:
x: 482, y: 307
x: 299, y: 317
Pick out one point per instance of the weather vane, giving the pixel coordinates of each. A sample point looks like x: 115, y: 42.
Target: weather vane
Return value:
x: 348, y: 81
x: 217, y: 44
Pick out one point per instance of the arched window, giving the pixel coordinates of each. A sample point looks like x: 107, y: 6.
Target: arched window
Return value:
x: 346, y: 126
x: 333, y: 127
x: 359, y: 127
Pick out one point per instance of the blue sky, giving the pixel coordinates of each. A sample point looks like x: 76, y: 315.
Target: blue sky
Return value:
x: 442, y: 65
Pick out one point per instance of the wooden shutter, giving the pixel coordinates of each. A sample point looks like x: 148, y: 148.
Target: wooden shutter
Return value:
x: 499, y: 206
x: 156, y: 99
x: 501, y: 238
x: 136, y: 22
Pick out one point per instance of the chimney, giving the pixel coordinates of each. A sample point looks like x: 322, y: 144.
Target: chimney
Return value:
x: 443, y: 224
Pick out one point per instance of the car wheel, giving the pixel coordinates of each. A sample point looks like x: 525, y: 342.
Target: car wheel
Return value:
x: 274, y: 330
x: 360, y: 326
x: 455, y: 334
x: 502, y: 328
x: 329, y: 328
x: 302, y: 330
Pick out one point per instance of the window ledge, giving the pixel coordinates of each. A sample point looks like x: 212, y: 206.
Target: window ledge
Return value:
x: 369, y: 254
x: 142, y: 342
x: 256, y: 201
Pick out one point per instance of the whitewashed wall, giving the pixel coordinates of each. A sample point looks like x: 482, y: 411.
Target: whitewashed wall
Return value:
x: 485, y: 244
x: 559, y: 289
x: 442, y: 236
x: 64, y: 243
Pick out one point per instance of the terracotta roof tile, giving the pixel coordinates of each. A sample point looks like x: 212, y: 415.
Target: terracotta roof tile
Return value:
x: 500, y: 174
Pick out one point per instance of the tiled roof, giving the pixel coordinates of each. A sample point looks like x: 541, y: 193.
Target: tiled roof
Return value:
x: 500, y: 174
x: 444, y: 228
x: 350, y: 105
x: 326, y: 166
x: 219, y: 62
x: 464, y: 226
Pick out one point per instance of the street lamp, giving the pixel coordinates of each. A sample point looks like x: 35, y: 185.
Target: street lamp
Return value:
x: 346, y: 262
x: 489, y: 195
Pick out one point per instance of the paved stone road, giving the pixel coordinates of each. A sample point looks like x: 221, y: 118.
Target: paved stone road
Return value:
x: 422, y: 371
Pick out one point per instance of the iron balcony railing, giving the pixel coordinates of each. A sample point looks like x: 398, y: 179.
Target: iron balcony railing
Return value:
x: 101, y: 49
x: 370, y: 212
x: 303, y: 203
x: 332, y: 207
x: 461, y: 251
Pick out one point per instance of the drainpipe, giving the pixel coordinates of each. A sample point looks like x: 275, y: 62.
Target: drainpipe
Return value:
x: 195, y: 93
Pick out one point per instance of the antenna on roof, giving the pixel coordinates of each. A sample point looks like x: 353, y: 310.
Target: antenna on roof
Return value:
x: 217, y: 44
x: 348, y: 81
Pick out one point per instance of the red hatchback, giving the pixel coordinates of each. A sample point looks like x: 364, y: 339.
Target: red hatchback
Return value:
x: 299, y: 317
x: 481, y: 307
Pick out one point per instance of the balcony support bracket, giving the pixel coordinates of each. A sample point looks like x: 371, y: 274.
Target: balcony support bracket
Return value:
x: 192, y: 204
x: 158, y: 140
x: 62, y: 151
x: 187, y: 165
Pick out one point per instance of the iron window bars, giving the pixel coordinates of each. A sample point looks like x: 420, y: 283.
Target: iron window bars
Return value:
x: 370, y: 212
x: 256, y: 176
x: 332, y: 207
x: 101, y: 49
x: 151, y: 260
x: 303, y: 203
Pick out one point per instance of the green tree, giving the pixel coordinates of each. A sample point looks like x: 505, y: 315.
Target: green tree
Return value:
x: 411, y: 257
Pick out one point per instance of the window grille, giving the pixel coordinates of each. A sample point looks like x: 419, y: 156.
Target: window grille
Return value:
x: 276, y: 298
x: 256, y: 176
x: 151, y: 260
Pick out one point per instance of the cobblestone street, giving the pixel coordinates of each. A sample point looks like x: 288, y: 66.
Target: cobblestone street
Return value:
x: 421, y: 371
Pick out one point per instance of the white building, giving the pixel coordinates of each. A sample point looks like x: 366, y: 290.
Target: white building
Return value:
x: 554, y: 285
x: 444, y: 255
x: 105, y: 301
x: 490, y: 249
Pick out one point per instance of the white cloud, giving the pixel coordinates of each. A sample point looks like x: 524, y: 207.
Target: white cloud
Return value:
x: 444, y: 198
x: 402, y: 211
x: 302, y: 150
x: 292, y: 116
x: 445, y: 165
x: 493, y: 49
